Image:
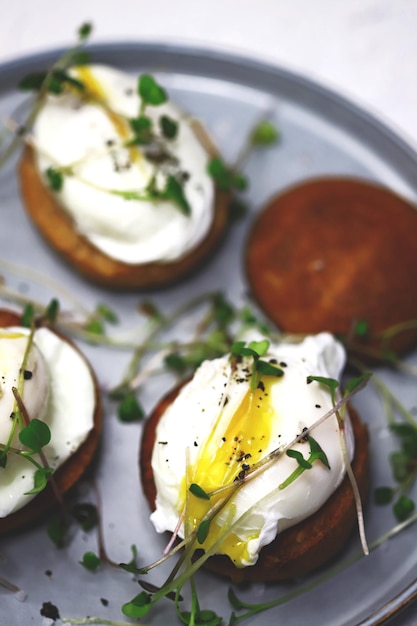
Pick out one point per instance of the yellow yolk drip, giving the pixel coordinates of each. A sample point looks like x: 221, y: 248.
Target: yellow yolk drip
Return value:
x: 5, y: 335
x: 95, y: 91
x: 227, y: 455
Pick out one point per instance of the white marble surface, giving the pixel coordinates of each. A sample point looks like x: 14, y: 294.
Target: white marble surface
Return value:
x: 365, y: 49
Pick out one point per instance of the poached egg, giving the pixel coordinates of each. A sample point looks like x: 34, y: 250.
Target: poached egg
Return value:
x: 87, y: 137
x: 56, y: 387
x: 217, y: 429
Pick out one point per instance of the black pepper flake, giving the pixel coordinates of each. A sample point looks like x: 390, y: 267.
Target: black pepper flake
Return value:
x: 163, y: 443
x: 27, y: 374
x: 50, y: 610
x: 245, y: 467
x: 318, y: 406
x: 283, y: 364
x: 223, y: 438
x: 110, y: 143
x: 104, y: 601
x: 273, y: 361
x: 261, y: 385
x: 12, y: 415
x: 195, y: 444
x: 48, y: 573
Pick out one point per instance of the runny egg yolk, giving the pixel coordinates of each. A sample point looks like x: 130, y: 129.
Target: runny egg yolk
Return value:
x: 226, y: 456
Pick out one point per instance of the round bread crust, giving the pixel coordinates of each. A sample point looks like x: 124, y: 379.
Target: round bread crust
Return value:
x: 60, y: 232
x: 67, y: 474
x: 298, y: 550
x: 334, y: 251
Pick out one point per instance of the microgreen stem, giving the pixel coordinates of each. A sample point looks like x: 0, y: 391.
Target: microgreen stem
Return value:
x: 56, y: 287
x: 9, y: 585
x: 95, y: 620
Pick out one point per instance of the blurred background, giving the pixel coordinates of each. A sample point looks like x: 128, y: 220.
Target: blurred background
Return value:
x: 365, y: 49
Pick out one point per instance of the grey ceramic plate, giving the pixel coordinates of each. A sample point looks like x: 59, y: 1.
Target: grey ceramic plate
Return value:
x: 321, y: 133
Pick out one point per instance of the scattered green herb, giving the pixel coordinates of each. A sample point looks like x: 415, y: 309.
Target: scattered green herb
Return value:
x: 129, y: 409
x: 199, y: 492
x: 90, y: 561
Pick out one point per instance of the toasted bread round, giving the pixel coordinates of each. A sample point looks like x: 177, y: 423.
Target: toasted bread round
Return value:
x: 60, y: 232
x: 332, y: 252
x: 299, y: 549
x: 67, y: 474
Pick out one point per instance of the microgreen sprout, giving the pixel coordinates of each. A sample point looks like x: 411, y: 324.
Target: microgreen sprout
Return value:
x: 316, y: 454
x: 256, y: 349
x: 353, y: 384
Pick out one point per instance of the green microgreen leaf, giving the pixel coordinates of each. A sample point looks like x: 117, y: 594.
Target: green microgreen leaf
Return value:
x: 199, y: 492
x: 356, y: 382
x: 264, y: 368
x: 90, y: 561
x: 35, y: 435
x: 297, y: 455
x: 407, y: 434
x: 174, y: 191
x: 384, y: 495
x: 200, y: 618
x: 316, y: 454
x: 225, y: 177
x: 32, y: 82
x: 131, y: 567
x: 223, y: 311
x: 129, y: 409
x: 150, y: 91
x: 95, y: 326
x: 203, y: 530
x: 106, y: 313
x: 400, y: 465
x: 331, y: 383
x: 403, y: 508
x: 361, y: 328
x: 142, y: 128
x: 58, y: 531
x: 52, y: 311
x: 169, y: 127
x: 40, y: 480
x: 150, y: 309
x: 138, y: 607
x: 55, y: 178
x: 264, y: 134
x: 86, y: 515
x: 176, y: 362
x: 85, y: 31
x: 260, y: 347
x: 3, y: 458
x: 28, y: 316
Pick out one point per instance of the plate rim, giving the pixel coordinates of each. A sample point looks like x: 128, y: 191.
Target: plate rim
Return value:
x: 237, y: 61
